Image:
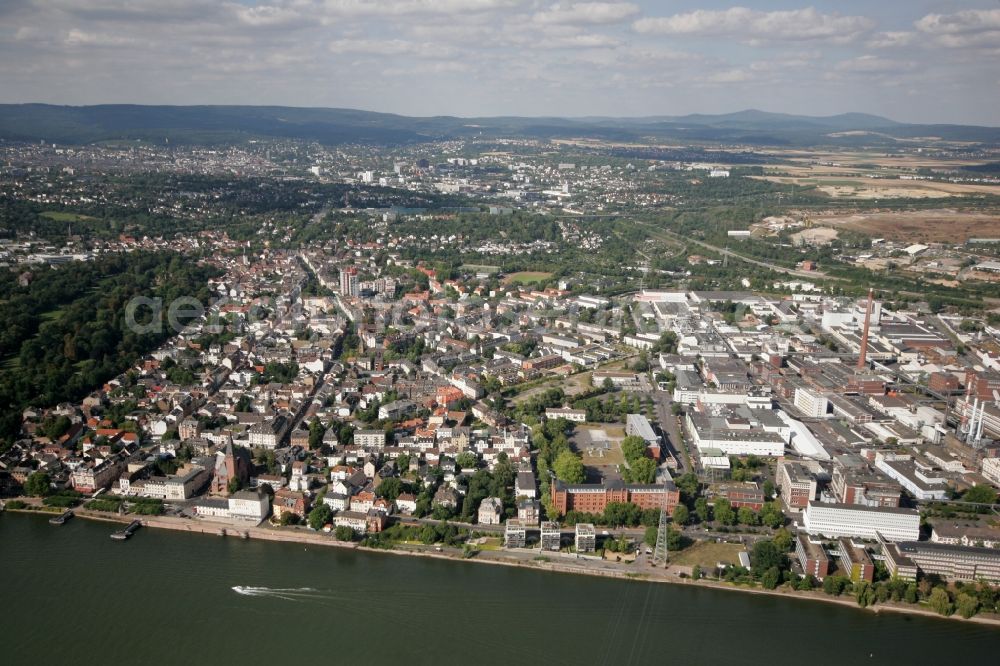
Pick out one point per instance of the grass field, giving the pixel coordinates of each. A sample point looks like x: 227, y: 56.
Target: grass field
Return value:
x: 62, y: 216
x: 527, y: 277
x: 480, y: 268
x: 707, y: 554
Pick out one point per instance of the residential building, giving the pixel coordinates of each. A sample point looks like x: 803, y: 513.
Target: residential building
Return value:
x: 524, y: 485
x: 289, y: 501
x: 585, y: 538
x: 575, y: 415
x: 551, y: 535
x: 529, y: 512
x: 490, y: 511
x: 356, y: 520
x: 514, y: 534
x: 349, y: 282
x: 369, y: 440
x: 268, y: 433
x: 251, y: 506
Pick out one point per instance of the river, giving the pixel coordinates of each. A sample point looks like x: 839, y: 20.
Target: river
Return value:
x: 71, y: 594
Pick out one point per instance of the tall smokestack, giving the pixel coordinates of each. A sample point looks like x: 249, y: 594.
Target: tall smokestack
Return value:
x: 863, y: 357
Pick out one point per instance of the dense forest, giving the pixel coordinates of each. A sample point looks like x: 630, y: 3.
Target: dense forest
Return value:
x: 66, y: 331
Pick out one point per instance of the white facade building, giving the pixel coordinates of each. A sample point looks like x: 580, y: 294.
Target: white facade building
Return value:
x: 811, y: 403
x: 854, y: 520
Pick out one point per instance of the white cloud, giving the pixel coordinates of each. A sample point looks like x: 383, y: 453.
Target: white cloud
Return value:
x: 409, y: 7
x: 969, y: 28
x: 885, y: 40
x: 729, y: 76
x: 389, y: 47
x: 757, y: 26
x: 587, y: 13
x: 80, y: 38
x: 870, y: 64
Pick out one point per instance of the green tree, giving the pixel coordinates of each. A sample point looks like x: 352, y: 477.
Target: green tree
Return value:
x: 967, y: 604
x: 723, y: 511
x: 641, y: 470
x: 980, y: 494
x: 234, y: 485
x: 319, y: 516
x: 765, y: 555
x: 37, y: 484
x: 768, y: 488
x: 633, y: 447
x: 343, y: 533
x: 688, y: 484
x: 696, y: 572
x: 835, y: 585
x: 910, y: 595
x: 940, y: 602
x: 681, y: 515
x: 316, y: 432
x: 702, y: 510
x: 864, y: 594
x: 390, y: 488
x: 771, y: 578
x: 467, y: 460
x: 428, y: 535
x: 771, y: 515
x: 568, y: 467
x: 783, y: 540
x: 747, y: 516
x: 650, y: 535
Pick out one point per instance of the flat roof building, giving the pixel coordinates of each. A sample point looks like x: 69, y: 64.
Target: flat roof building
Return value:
x: 586, y: 538
x: 851, y: 520
x: 514, y: 534
x: 551, y: 536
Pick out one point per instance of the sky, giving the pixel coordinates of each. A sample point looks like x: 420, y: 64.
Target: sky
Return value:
x: 909, y: 60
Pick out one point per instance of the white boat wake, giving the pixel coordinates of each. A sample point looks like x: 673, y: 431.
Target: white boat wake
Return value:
x: 286, y: 593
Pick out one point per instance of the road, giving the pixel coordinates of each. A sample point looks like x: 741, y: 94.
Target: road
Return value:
x: 668, y: 425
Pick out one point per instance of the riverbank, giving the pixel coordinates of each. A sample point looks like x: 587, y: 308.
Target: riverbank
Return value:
x: 528, y: 559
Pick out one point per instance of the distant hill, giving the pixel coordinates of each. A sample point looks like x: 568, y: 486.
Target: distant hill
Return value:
x: 228, y: 124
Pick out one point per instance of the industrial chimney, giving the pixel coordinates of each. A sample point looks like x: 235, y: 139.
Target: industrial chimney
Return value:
x: 863, y: 357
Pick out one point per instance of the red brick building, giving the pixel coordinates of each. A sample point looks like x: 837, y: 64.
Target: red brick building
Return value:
x: 982, y: 385
x: 942, y: 382
x: 743, y: 494
x: 593, y: 497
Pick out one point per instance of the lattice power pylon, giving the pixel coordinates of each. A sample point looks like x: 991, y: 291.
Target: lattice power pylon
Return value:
x: 660, y: 550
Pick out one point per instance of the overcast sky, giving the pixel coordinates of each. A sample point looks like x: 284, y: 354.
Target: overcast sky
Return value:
x: 911, y: 60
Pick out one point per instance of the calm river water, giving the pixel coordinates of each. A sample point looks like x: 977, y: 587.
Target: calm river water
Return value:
x: 73, y: 595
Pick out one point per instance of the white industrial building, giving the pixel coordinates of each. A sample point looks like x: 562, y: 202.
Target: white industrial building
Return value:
x: 855, y: 520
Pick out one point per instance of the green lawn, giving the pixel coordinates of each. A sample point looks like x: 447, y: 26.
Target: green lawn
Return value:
x: 707, y: 554
x: 527, y: 277
x: 63, y: 216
